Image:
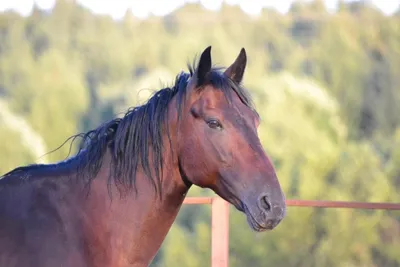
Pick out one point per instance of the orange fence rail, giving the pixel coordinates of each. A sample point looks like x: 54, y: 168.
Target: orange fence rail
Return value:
x: 220, y: 219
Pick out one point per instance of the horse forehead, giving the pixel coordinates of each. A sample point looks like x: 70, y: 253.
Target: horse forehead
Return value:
x: 239, y: 115
x: 217, y: 97
x: 231, y: 106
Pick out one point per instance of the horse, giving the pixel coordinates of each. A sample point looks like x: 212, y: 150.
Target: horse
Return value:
x: 113, y: 202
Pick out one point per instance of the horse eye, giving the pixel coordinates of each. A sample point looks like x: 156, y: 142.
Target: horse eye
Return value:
x: 214, y: 124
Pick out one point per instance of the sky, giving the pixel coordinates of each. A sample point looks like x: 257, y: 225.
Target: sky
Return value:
x: 143, y: 8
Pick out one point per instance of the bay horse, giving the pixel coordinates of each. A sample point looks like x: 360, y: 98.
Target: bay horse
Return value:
x: 113, y: 203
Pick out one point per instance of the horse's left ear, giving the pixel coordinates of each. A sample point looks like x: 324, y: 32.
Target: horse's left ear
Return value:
x: 204, y: 66
x: 236, y: 70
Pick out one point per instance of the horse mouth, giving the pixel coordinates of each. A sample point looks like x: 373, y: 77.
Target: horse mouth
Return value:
x: 255, y: 224
x: 251, y: 220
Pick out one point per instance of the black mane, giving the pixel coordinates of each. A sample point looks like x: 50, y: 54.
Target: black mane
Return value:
x: 139, y: 132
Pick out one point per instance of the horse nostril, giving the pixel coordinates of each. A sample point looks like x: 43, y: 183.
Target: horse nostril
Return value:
x: 265, y: 204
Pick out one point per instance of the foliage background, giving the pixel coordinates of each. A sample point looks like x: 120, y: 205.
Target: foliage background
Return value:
x: 326, y: 86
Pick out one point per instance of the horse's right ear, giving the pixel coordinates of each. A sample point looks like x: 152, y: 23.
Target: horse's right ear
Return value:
x: 236, y: 70
x: 203, y: 67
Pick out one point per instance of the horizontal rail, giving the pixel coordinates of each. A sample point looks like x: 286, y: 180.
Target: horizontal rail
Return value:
x: 198, y: 200
x: 314, y: 203
x: 343, y: 204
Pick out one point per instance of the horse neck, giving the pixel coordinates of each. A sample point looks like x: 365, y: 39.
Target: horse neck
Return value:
x: 131, y: 227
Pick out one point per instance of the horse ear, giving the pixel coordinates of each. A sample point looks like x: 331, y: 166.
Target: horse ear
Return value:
x: 204, y: 66
x: 236, y: 70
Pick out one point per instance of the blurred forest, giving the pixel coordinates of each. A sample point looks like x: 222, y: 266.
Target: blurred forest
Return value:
x: 326, y: 85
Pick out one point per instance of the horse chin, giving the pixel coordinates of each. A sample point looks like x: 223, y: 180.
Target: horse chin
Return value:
x: 254, y: 223
x: 242, y: 207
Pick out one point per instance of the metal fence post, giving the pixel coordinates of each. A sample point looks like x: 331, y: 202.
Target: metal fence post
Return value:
x: 219, y: 232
